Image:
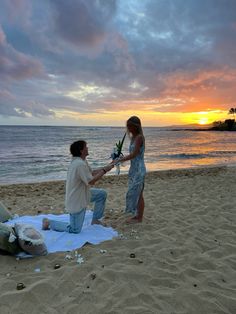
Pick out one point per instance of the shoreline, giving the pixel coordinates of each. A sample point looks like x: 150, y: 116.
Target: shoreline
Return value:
x: 160, y: 171
x: 184, y: 250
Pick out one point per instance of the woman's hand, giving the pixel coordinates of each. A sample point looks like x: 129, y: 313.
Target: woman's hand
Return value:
x: 117, y: 160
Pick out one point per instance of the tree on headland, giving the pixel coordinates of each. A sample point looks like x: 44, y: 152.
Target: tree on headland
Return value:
x: 227, y: 125
x: 232, y: 111
x: 217, y: 124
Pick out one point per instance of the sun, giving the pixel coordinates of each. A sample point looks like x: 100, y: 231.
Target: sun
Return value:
x: 203, y: 121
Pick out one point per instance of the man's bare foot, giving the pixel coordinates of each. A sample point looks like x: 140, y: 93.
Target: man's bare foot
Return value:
x: 97, y: 222
x: 45, y: 224
x: 134, y: 220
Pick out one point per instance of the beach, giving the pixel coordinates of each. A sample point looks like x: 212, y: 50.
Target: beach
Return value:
x: 180, y: 259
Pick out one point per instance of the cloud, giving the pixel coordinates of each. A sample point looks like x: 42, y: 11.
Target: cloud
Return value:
x: 16, y: 12
x: 35, y: 109
x: 98, y: 55
x: 15, y: 65
x: 83, y: 23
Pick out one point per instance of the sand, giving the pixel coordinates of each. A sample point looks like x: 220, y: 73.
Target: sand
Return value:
x: 185, y: 250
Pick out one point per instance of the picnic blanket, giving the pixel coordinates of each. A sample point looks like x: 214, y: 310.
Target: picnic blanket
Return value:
x: 64, y: 241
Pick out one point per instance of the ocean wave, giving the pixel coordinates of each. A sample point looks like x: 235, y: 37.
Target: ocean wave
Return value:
x: 212, y: 154
x: 35, y: 153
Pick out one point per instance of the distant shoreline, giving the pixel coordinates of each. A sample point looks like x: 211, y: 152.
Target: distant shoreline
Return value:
x: 165, y: 128
x: 201, y: 130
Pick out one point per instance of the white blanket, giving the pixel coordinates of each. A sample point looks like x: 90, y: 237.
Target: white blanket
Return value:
x: 64, y: 241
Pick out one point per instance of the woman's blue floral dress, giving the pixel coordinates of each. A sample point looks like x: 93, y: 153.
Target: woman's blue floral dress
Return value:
x: 137, y: 173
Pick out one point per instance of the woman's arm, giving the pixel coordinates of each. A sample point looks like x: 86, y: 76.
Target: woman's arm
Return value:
x: 137, y: 145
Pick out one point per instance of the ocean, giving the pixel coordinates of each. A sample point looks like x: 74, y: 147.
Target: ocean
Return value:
x: 41, y: 153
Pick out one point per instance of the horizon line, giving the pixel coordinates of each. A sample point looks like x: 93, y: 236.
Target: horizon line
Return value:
x: 85, y: 126
x: 103, y: 126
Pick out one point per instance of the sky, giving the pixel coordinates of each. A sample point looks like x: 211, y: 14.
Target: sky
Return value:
x: 98, y: 62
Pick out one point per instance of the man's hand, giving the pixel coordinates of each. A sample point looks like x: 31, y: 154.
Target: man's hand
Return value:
x: 108, y: 167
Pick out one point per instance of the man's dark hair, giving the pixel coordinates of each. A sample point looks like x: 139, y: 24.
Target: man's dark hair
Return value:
x: 76, y: 147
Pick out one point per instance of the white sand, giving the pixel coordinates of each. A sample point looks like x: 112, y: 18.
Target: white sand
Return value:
x: 185, y: 251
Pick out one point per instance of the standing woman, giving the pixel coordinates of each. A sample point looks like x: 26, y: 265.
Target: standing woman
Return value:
x: 137, y: 171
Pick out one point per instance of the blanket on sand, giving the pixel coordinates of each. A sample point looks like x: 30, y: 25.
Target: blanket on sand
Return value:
x: 64, y: 241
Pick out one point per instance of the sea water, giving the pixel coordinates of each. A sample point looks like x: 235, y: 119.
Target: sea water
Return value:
x: 41, y: 153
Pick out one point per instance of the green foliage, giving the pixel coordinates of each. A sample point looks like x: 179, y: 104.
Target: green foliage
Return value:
x: 119, y: 145
x: 232, y: 111
x: 228, y: 124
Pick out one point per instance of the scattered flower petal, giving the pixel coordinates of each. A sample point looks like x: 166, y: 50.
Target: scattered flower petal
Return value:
x: 103, y: 251
x: 68, y: 257
x: 80, y: 259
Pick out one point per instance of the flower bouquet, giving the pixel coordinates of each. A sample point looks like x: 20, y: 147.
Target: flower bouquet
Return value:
x: 117, y: 152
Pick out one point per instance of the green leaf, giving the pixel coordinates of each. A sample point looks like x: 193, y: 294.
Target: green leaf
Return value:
x: 119, y: 145
x: 122, y: 142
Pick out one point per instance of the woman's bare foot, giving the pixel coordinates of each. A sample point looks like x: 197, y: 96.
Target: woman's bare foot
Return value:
x: 45, y: 224
x: 98, y: 222
x: 134, y: 220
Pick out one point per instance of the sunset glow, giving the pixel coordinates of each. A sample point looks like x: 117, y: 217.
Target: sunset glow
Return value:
x: 203, y: 121
x: 70, y: 73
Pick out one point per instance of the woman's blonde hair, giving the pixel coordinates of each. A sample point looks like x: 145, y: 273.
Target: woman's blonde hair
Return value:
x: 136, y: 122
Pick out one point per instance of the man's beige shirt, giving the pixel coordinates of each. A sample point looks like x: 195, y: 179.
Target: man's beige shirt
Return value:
x: 77, y: 185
